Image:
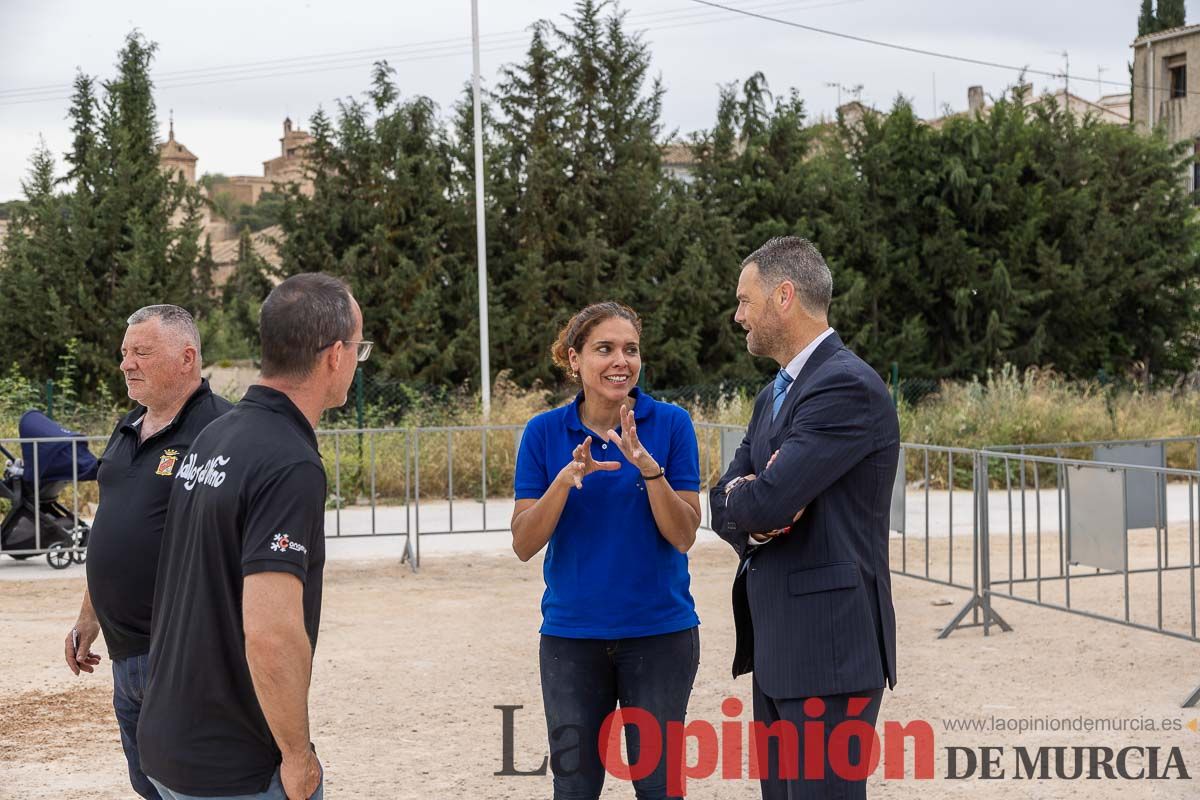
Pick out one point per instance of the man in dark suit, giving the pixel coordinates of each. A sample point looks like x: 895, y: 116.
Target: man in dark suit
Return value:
x: 805, y: 505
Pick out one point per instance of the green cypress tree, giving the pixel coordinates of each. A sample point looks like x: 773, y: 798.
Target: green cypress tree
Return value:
x: 1147, y: 21
x: 244, y: 292
x: 38, y: 307
x: 584, y: 211
x: 527, y: 184
x: 204, y: 292
x: 383, y: 216
x: 1171, y: 14
x: 130, y: 237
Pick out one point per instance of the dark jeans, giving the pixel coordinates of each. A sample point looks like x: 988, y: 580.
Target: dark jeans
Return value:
x: 808, y: 787
x: 273, y: 792
x: 583, y: 680
x: 129, y: 687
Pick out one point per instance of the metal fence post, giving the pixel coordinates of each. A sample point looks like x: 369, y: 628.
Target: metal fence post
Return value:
x: 981, y: 542
x: 360, y: 411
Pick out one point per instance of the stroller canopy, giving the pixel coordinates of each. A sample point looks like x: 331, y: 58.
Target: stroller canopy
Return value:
x: 53, y: 458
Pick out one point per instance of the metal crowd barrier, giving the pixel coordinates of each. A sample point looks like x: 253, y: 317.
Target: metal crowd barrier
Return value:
x: 1149, y: 452
x: 1103, y: 539
x: 420, y: 488
x: 942, y: 546
x: 415, y: 482
x: 1106, y: 551
x: 18, y: 478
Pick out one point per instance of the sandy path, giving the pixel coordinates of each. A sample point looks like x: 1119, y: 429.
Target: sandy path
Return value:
x: 409, y: 668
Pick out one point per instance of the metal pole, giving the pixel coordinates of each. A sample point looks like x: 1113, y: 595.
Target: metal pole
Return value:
x: 926, y: 513
x: 1067, y: 80
x: 977, y: 513
x: 485, y: 369
x: 1008, y: 487
x: 950, y: 480
x: 1150, y: 70
x: 372, y: 440
x: 337, y: 482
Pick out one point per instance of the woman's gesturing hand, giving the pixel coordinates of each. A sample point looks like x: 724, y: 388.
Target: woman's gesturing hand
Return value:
x: 582, y: 464
x: 631, y: 447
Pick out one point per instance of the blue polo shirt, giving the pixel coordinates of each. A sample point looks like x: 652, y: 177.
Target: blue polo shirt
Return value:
x: 609, y: 573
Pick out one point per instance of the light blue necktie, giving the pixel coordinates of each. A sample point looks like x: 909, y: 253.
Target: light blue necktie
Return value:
x: 782, y: 379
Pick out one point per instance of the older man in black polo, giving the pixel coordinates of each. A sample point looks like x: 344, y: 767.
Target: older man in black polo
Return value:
x: 160, y: 358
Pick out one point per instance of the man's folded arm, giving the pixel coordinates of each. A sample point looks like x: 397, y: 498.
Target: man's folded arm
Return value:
x: 829, y: 436
x: 718, y: 519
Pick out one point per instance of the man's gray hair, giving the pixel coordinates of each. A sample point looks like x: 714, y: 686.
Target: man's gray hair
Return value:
x: 173, y: 317
x: 795, y: 259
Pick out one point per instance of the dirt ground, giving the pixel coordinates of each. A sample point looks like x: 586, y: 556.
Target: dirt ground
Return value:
x: 410, y: 667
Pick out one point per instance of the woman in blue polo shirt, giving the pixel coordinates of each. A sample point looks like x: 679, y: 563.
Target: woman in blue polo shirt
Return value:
x: 609, y: 484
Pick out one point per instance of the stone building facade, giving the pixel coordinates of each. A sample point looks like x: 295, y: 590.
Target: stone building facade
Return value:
x: 176, y: 159
x: 290, y: 166
x: 1163, y: 65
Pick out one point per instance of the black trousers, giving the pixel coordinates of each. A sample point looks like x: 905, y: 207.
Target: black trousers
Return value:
x: 583, y: 680
x: 808, y: 782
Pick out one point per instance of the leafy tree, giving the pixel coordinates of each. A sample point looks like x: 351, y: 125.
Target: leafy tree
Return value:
x: 1024, y: 236
x: 211, y: 181
x: 263, y: 214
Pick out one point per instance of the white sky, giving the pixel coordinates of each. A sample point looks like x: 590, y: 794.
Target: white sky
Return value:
x: 233, y: 123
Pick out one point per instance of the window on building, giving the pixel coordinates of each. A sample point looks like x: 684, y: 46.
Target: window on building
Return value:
x: 1177, y: 68
x: 1195, y: 187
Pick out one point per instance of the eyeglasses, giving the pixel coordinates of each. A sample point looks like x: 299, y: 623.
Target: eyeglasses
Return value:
x: 364, y: 347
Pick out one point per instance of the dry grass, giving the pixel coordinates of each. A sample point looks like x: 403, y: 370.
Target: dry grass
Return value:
x: 1007, y: 408
x: 1041, y: 407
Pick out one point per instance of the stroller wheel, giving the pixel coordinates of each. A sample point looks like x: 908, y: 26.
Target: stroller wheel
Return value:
x: 79, y: 537
x: 58, y: 556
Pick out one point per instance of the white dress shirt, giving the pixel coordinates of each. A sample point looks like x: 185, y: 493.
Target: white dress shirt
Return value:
x: 796, y: 364
x: 793, y: 368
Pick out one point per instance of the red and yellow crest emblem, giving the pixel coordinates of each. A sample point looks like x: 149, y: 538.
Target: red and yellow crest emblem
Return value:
x: 166, y: 462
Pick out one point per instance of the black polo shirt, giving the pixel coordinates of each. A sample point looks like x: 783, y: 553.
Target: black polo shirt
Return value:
x: 250, y: 497
x: 135, y: 484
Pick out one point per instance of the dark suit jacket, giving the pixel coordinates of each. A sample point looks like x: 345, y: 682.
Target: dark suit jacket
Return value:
x: 813, y: 607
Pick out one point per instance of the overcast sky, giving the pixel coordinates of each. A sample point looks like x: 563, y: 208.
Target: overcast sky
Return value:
x: 229, y: 105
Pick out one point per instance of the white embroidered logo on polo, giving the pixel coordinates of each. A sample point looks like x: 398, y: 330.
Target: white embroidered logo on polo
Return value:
x: 281, y: 542
x: 206, y: 475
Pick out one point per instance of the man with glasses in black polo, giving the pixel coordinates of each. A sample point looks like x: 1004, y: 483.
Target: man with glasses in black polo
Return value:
x: 238, y: 601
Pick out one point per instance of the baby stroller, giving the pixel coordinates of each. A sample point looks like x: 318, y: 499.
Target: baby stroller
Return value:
x: 60, y: 530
